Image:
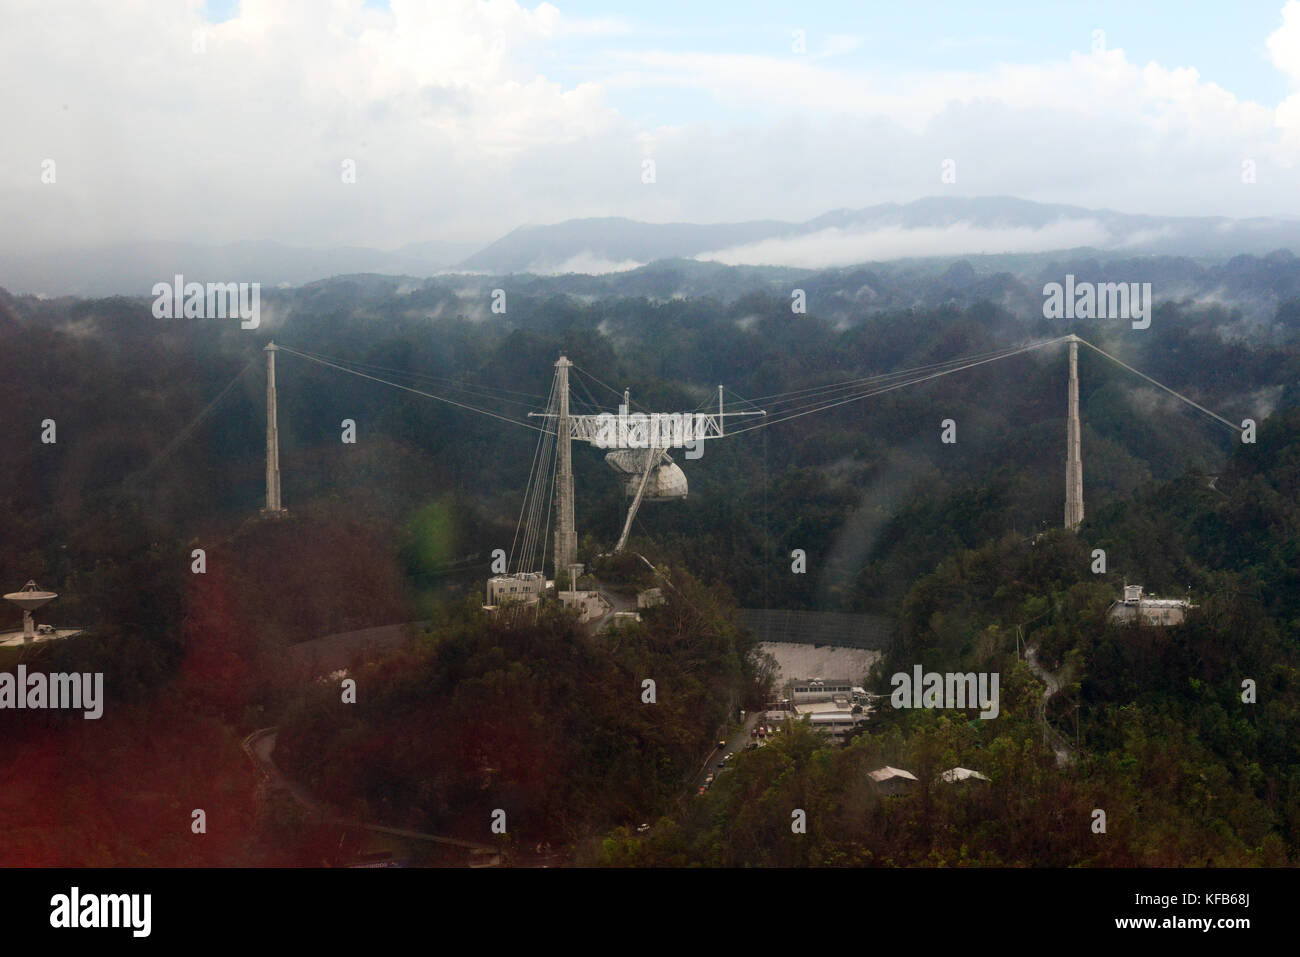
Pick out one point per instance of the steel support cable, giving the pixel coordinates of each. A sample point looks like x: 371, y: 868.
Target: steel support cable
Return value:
x: 591, y: 399
x: 826, y: 391
x: 634, y: 402
x: 542, y: 505
x: 830, y: 391
x: 407, y: 388
x: 363, y: 368
x: 534, y: 473
x: 538, y: 498
x: 546, y: 534
x: 897, y: 385
x: 473, y: 391
x: 814, y: 403
x: 1194, y: 405
x: 524, y: 505
x: 536, y: 484
x: 170, y: 449
x: 740, y: 398
x: 373, y: 367
x: 886, y: 375
x: 597, y: 381
x: 825, y: 402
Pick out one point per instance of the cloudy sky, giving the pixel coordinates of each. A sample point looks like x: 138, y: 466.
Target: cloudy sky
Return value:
x: 222, y: 121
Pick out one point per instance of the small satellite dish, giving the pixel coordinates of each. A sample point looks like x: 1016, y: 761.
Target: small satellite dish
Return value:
x: 29, y: 598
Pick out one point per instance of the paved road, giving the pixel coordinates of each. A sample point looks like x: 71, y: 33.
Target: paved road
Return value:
x: 259, y: 746
x: 735, y: 744
x: 616, y: 603
x: 1052, y: 683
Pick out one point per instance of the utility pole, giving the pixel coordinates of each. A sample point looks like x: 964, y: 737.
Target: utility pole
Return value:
x: 1074, y: 455
x: 273, y: 508
x: 566, y: 536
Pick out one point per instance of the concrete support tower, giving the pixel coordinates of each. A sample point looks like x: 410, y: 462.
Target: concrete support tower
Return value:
x: 273, y: 508
x: 566, y: 536
x: 1074, y: 456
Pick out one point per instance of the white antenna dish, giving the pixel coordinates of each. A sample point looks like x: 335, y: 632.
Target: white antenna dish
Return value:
x: 29, y: 598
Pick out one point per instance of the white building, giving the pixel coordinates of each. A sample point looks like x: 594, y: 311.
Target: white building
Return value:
x: 588, y: 604
x: 836, y: 723
x: 802, y: 691
x: 526, y: 587
x: 1148, y: 611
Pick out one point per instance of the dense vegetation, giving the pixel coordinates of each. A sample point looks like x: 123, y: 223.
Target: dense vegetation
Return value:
x: 156, y: 457
x: 538, y: 719
x: 1163, y: 740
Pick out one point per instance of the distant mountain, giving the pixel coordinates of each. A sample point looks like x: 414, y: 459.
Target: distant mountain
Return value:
x: 1249, y: 294
x: 941, y: 226
x: 935, y: 228
x: 610, y: 243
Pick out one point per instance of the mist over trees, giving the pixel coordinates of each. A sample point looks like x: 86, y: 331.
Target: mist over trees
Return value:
x: 160, y: 451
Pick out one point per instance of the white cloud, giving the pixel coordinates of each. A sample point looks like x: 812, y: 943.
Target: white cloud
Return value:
x: 837, y: 247
x: 1284, y: 43
x: 437, y: 104
x: 457, y: 132
x: 1284, y: 50
x: 584, y: 262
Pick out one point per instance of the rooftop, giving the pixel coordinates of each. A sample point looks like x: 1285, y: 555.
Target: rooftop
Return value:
x: 953, y: 775
x: 887, y: 773
x: 823, y: 707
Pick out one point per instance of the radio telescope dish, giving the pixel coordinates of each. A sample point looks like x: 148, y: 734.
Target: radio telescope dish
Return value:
x: 29, y: 598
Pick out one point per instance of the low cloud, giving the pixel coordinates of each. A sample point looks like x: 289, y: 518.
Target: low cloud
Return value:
x: 843, y: 247
x: 585, y: 262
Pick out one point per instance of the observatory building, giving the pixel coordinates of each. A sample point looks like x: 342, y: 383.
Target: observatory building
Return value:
x: 29, y: 598
x: 1149, y: 611
x: 525, y: 588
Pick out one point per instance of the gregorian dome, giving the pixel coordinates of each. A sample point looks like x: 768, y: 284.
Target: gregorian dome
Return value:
x: 666, y: 482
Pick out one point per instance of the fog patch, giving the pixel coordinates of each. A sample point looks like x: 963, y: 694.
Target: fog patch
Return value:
x: 1263, y: 402
x: 843, y: 247
x: 586, y: 263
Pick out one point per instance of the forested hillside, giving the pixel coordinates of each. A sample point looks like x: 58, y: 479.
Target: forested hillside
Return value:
x: 1161, y: 737
x: 160, y: 450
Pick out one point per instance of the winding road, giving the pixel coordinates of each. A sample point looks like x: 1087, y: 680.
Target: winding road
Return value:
x: 1052, y: 683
